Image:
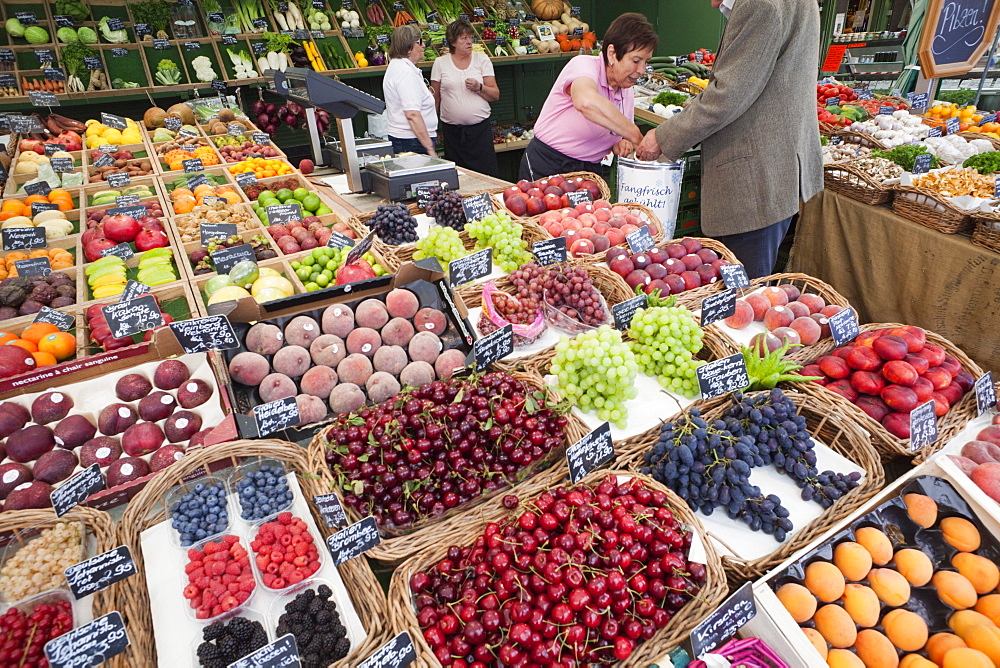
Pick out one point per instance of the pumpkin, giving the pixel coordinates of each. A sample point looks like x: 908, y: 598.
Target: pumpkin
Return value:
x: 547, y: 10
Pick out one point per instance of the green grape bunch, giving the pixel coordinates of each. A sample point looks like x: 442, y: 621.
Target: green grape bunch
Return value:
x: 596, y: 371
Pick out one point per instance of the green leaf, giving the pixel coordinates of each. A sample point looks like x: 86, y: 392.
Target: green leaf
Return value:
x: 359, y: 487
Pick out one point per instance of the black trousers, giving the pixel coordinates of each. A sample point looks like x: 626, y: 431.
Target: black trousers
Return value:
x: 541, y: 160
x: 471, y: 146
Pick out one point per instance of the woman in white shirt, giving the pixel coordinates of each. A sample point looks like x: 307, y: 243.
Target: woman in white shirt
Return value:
x: 464, y: 85
x: 408, y: 102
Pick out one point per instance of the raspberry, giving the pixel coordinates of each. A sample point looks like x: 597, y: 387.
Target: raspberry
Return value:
x: 241, y: 595
x: 211, y: 548
x: 233, y: 569
x: 191, y: 591
x: 228, y: 579
x: 247, y: 585
x: 285, y: 518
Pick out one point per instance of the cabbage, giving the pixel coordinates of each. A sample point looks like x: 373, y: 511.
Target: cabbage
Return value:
x: 14, y: 28
x: 36, y: 35
x: 113, y: 36
x: 87, y: 35
x: 67, y: 35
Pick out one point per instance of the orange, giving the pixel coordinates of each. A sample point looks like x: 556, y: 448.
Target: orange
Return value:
x: 44, y: 359
x: 231, y: 197
x: 58, y: 192
x: 6, y: 337
x: 177, y: 192
x: 36, y: 331
x: 23, y: 343
x: 31, y: 199
x: 7, y: 215
x: 185, y: 205
x: 61, y: 345
x: 63, y: 204
x: 14, y: 206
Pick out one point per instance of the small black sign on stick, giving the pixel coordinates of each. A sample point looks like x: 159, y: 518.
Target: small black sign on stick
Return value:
x: 549, y: 251
x: 734, y: 275
x: 471, y: 267
x: 397, y: 653
x: 923, y: 426
x: 89, y: 645
x: 100, y: 572
x: 23, y: 238
x: 590, y: 453
x: 579, y: 197
x: 214, y: 332
x: 641, y: 240
x: 353, y: 541
x: 74, y: 491
x: 722, y: 376
x: 134, y: 316
x: 494, y: 347
x: 724, y: 622
x: 625, y: 311
x: 331, y: 510
x: 986, y: 395
x: 282, y: 653
x: 477, y: 207
x: 63, y: 321
x: 844, y: 326
x: 225, y: 259
x: 718, y: 307
x: 276, y: 415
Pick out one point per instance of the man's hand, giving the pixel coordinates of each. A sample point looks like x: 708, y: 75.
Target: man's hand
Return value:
x: 624, y: 148
x: 649, y: 148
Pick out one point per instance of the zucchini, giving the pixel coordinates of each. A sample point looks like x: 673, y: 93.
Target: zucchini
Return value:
x: 667, y: 60
x: 691, y: 67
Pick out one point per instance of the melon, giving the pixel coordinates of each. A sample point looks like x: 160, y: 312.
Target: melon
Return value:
x: 153, y: 118
x: 183, y: 112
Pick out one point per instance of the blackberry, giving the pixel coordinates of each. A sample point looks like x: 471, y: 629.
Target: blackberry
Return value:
x: 313, y: 619
x: 233, y: 641
x: 214, y: 631
x: 341, y: 648
x: 324, y: 591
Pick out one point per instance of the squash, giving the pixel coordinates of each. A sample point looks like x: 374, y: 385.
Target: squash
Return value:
x: 546, y: 10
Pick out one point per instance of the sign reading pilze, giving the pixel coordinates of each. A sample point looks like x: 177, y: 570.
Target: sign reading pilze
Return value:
x: 956, y: 33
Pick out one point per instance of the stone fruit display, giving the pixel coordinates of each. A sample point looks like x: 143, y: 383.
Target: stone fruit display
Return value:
x: 915, y: 577
x: 528, y: 198
x: 786, y: 313
x: 979, y: 459
x: 674, y: 268
x: 592, y: 227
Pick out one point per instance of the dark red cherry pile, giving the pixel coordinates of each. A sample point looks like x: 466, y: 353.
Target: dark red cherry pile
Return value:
x: 432, y: 448
x: 579, y: 577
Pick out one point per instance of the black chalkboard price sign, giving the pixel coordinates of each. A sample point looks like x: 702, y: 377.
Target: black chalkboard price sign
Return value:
x: 209, y: 231
x: 734, y: 275
x: 132, y: 290
x: 955, y: 35
x: 89, y: 645
x: 122, y: 250
x: 641, y: 240
x: 202, y: 334
x: 36, y: 266
x: 38, y: 207
x: 477, y: 207
x: 471, y: 267
x: 590, y: 453
x: 353, y: 541
x: 722, y: 376
x: 397, y: 653
x: 549, y: 251
x: 63, y: 321
x: 282, y: 653
x: 625, y: 311
x: 723, y: 624
x: 118, y: 180
x: 923, y: 426
x: 579, y: 197
x: 986, y: 395
x: 192, y: 165
x: 276, y: 415
x: 283, y: 213
x: 844, y: 326
x: 718, y: 307
x: 21, y: 238
x: 338, y: 240
x: 331, y: 510
x: 75, y: 490
x: 134, y: 316
x: 100, y: 572
x: 113, y: 121
x: 359, y: 249
x: 225, y: 259
x: 494, y: 347
x: 38, y: 188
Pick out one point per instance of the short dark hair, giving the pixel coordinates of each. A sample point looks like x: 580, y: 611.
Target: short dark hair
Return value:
x: 456, y: 29
x: 629, y: 32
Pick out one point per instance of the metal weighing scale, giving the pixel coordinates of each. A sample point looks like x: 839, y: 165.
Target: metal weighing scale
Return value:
x: 399, y: 177
x: 312, y: 91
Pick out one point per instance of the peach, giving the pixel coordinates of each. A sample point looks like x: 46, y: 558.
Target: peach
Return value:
x: 292, y: 361
x: 391, y: 359
x: 798, y: 310
x: 966, y: 657
x: 818, y: 643
x: 897, y: 424
x: 371, y: 313
x: 181, y: 426
x: 354, y: 369
x: 980, y: 571
x: 397, y: 332
x: 13, y: 416
x: 862, y: 358
x: 759, y: 303
x: 834, y: 367
x: 798, y: 601
x: 808, y: 329
x: 318, y: 381
x: 73, y: 431
x: 861, y: 604
x: 874, y: 649
x: 891, y: 587
x: 132, y: 387
x: 194, y: 393
x: 165, y: 456
x: 249, y: 368
x: 338, y: 320
x: 28, y: 495
x: 914, y: 565
x: 981, y: 452
x: 899, y: 372
x: 103, y: 450
x: 276, y: 386
x: 112, y: 420
x: 961, y: 621
x: 425, y: 346
x: 777, y: 316
x: 835, y: 625
x: 776, y: 296
x: 126, y: 470
x: 12, y: 475
x: 853, y: 560
x: 54, y: 466
x: 264, y: 338
x: 986, y: 639
x: 906, y: 630
x: 401, y: 303
x: 954, y: 589
x: 381, y: 386
x: 448, y: 362
x: 157, y: 406
x: 867, y: 382
x: 170, y: 374
x: 961, y: 534
x: 813, y: 302
x: 311, y: 408
x: 742, y: 317
x: 346, y: 398
x: 301, y: 331
x: 416, y: 374
x: 142, y: 439
x: 327, y: 350
x: 990, y: 607
x: 940, y: 644
x: 899, y: 398
x: 430, y: 320
x: 51, y: 407
x: 890, y: 347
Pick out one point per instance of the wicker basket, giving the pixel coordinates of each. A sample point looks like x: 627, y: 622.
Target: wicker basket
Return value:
x: 590, y: 176
x: 844, y: 179
x: 711, y: 595
x: 890, y: 446
x: 930, y: 210
x: 855, y: 137
x: 146, y: 509
x: 804, y: 283
x: 686, y: 87
x: 978, y: 135
x: 836, y: 428
x: 427, y: 533
x: 986, y: 232
x: 98, y: 525
x: 892, y: 99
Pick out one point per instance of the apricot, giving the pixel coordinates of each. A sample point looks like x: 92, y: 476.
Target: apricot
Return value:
x: 824, y: 580
x: 986, y: 639
x: 817, y: 641
x: 980, y: 571
x: 966, y: 657
x: 835, y: 625
x: 961, y: 621
x: 861, y: 604
x: 853, y: 560
x: 799, y: 603
x: 922, y: 509
x: 842, y: 658
x: 877, y: 543
x: 891, y: 587
x: 915, y: 566
x: 875, y: 650
x: 940, y: 644
x: 916, y: 661
x: 954, y: 589
x: 961, y: 534
x: 990, y: 606
x: 906, y: 630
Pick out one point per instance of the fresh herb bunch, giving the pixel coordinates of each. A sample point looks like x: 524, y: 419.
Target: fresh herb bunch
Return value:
x: 670, y: 97
x: 905, y: 155
x: 73, y: 55
x: 984, y: 163
x: 154, y: 13
x: 277, y: 42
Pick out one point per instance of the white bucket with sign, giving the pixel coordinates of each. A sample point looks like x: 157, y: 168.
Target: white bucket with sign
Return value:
x: 656, y: 185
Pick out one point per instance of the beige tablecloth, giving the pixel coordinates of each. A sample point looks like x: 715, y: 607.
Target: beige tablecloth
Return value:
x: 895, y: 270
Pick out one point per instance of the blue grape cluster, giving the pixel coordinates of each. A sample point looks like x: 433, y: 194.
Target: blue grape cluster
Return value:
x: 200, y: 513
x: 708, y: 465
x: 263, y: 492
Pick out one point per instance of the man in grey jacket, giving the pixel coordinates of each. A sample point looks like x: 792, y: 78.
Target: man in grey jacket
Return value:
x: 756, y: 123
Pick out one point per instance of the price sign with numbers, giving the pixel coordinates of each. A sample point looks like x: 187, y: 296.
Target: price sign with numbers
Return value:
x: 202, y: 334
x: 986, y: 395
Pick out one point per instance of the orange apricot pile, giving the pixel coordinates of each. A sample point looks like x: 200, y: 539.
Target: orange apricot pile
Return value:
x: 59, y: 258
x: 184, y: 200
